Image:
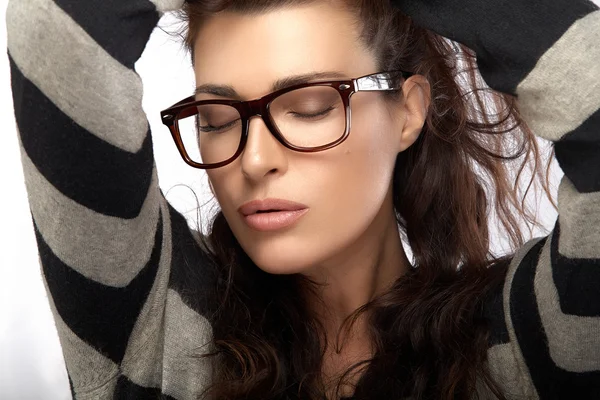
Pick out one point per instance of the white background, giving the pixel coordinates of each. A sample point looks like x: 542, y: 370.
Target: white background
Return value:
x: 31, y: 363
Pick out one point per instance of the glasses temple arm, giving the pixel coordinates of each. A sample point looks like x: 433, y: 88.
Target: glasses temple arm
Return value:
x: 381, y: 82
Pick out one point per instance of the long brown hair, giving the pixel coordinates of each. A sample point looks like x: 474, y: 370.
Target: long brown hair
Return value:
x: 429, y: 332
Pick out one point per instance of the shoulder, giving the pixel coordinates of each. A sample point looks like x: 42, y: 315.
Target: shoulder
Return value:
x: 508, y: 363
x: 193, y: 268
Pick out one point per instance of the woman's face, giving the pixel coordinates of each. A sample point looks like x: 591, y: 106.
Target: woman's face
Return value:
x: 347, y: 189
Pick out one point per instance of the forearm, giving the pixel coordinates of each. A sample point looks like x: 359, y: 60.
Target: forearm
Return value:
x: 89, y: 169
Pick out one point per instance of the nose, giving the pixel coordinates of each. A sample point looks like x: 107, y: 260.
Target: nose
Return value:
x: 263, y: 155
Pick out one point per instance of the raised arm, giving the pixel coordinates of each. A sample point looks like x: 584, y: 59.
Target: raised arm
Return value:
x: 101, y: 223
x: 548, y: 54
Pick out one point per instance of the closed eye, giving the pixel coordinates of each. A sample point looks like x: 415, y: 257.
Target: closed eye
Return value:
x: 210, y: 128
x: 313, y: 115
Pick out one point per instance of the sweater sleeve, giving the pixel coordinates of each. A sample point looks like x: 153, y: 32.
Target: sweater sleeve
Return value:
x: 547, y: 53
x: 101, y: 223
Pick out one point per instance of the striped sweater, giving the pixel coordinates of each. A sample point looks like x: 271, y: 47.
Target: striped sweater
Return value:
x: 114, y: 254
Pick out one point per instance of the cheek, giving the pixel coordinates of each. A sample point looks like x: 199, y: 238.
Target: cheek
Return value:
x: 345, y: 188
x: 372, y: 149
x: 222, y: 187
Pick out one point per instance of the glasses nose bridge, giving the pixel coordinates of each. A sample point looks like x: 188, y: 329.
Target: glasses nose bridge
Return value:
x: 256, y: 107
x: 260, y: 108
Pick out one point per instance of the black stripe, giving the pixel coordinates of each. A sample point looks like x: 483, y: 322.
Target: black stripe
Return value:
x: 101, y: 315
x: 578, y: 155
x: 122, y: 28
x: 551, y: 382
x: 127, y: 390
x: 577, y: 281
x: 509, y: 37
x: 192, y: 274
x: 494, y: 313
x: 83, y: 167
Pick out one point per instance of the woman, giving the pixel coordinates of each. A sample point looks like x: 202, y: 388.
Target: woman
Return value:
x: 303, y: 288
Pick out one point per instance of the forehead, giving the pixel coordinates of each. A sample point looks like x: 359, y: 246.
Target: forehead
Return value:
x: 250, y: 52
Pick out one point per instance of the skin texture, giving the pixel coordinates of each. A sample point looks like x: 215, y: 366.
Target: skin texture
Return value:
x: 348, y: 239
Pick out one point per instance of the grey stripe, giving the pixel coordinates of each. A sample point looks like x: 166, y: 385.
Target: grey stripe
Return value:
x: 571, y: 339
x: 106, y: 249
x: 88, y: 85
x: 519, y: 360
x: 506, y: 371
x: 187, y: 333
x: 547, y: 94
x: 168, y: 363
x: 89, y: 369
x: 579, y: 217
x: 167, y: 5
x: 143, y: 359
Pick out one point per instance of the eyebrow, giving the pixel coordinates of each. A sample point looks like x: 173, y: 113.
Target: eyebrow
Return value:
x: 229, y: 91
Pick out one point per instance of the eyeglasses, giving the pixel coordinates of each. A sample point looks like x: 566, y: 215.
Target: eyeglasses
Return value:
x: 306, y: 117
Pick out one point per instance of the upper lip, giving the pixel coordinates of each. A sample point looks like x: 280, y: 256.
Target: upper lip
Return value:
x: 269, y: 204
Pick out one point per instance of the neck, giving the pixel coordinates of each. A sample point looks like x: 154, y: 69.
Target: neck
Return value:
x: 365, y: 269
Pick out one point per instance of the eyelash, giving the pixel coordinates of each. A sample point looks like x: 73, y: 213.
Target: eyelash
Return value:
x: 309, y: 116
x: 209, y: 128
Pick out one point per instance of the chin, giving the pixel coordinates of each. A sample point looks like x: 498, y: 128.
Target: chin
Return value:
x: 279, y: 260
x: 275, y: 265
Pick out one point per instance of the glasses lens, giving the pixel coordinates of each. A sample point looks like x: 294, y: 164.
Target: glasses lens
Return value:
x: 309, y: 117
x: 211, y: 133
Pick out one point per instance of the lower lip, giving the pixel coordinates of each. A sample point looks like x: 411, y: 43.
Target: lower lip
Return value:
x: 272, y: 221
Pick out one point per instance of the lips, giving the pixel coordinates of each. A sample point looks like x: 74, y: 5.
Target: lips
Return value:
x: 269, y: 205
x: 271, y: 214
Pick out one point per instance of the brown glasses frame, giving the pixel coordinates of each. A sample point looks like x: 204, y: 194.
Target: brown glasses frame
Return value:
x: 381, y: 81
